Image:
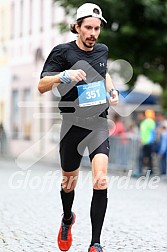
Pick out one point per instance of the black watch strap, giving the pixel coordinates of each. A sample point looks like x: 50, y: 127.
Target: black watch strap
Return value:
x: 111, y: 90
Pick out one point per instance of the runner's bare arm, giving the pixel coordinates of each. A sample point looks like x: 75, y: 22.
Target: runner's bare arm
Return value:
x: 113, y: 100
x: 48, y: 82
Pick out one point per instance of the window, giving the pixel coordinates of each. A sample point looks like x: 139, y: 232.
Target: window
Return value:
x: 21, y: 18
x: 30, y: 17
x: 27, y: 115
x: 41, y: 15
x: 12, y: 12
x: 2, y: 24
x: 53, y: 14
x: 1, y: 111
x: 15, y: 113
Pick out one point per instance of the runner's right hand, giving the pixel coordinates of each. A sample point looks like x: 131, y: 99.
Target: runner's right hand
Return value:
x: 77, y: 75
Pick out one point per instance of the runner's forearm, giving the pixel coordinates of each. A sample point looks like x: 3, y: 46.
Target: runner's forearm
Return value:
x: 109, y: 83
x: 46, y: 83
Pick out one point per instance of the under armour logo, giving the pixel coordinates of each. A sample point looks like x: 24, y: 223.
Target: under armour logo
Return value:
x: 102, y: 64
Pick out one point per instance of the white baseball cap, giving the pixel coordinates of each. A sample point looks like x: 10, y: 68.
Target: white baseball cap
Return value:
x: 89, y: 10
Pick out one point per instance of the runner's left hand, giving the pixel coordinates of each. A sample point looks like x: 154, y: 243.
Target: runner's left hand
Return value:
x: 114, y: 99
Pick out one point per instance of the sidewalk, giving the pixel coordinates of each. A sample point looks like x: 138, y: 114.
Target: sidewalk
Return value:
x: 30, y: 212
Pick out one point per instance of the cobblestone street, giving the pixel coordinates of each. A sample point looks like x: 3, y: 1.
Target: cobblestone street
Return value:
x: 30, y: 211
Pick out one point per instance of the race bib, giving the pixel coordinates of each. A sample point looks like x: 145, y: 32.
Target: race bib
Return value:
x: 91, y: 94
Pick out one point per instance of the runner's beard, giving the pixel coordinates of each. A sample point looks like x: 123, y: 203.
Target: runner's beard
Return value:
x: 89, y: 45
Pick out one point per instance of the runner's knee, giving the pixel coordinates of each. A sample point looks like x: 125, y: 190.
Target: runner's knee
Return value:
x: 100, y: 181
x: 69, y: 182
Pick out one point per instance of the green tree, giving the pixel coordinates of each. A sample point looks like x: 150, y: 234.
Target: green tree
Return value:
x: 137, y: 32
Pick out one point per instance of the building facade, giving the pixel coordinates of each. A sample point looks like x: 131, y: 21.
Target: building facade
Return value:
x: 5, y: 77
x: 33, y: 30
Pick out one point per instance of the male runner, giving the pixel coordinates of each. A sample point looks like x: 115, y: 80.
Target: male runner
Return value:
x: 79, y: 71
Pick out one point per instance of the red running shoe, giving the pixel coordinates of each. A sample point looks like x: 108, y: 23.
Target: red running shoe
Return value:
x: 95, y: 248
x: 64, y: 238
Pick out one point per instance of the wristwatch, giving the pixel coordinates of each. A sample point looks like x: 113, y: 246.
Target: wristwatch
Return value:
x: 111, y: 90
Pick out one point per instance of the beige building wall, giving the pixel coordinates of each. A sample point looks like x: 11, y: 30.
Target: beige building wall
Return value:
x: 33, y: 33
x: 5, y: 77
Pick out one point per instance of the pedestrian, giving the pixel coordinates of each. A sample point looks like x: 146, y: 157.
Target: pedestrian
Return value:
x: 147, y: 137
x: 163, y: 149
x: 119, y: 127
x: 79, y: 71
x: 3, y: 141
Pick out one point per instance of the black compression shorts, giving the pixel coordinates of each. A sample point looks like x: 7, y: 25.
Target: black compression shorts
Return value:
x: 74, y: 140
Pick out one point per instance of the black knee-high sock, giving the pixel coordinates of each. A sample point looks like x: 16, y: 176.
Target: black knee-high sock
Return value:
x: 67, y: 201
x: 97, y: 213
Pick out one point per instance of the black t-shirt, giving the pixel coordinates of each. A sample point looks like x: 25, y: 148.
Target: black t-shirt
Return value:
x: 70, y: 56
